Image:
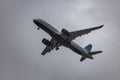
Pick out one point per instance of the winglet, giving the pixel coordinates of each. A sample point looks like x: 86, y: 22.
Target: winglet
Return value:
x: 101, y: 26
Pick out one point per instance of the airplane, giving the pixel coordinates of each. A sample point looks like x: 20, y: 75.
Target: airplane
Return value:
x: 65, y: 38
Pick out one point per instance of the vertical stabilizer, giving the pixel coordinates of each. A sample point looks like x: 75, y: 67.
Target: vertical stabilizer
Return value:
x: 88, y: 48
x: 88, y: 51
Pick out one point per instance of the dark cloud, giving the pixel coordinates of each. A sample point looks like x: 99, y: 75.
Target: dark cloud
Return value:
x: 20, y: 42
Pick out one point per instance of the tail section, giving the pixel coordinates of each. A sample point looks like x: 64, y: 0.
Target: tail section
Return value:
x: 88, y: 48
x: 88, y: 51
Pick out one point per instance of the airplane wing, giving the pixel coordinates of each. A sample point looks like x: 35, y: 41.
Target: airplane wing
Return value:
x: 49, y: 48
x: 75, y: 34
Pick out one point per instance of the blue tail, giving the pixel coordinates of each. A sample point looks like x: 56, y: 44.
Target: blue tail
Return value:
x: 88, y: 51
x: 88, y: 48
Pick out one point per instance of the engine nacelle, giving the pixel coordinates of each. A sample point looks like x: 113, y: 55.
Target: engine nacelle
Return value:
x: 46, y: 42
x: 65, y: 32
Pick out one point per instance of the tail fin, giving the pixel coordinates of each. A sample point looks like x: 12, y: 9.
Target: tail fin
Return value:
x: 88, y: 48
x: 88, y: 51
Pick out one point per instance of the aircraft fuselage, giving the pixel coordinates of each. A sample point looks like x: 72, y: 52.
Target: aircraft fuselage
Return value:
x: 60, y: 38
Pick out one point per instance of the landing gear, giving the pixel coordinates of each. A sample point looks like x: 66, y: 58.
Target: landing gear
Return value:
x: 38, y: 28
x: 57, y: 48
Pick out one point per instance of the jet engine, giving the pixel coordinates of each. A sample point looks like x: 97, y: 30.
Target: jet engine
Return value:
x: 46, y: 42
x: 65, y: 32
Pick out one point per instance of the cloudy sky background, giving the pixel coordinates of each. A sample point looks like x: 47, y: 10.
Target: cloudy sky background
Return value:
x: 21, y: 46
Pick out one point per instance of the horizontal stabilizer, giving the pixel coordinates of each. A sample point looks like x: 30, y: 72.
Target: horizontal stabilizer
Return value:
x: 95, y: 52
x: 82, y: 59
x: 88, y: 51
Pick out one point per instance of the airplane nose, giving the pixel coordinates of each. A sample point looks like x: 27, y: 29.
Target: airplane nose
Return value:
x: 34, y: 20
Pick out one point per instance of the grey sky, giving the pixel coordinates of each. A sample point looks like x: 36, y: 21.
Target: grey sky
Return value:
x: 21, y: 46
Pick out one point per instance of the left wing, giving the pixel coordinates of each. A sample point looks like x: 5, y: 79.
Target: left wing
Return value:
x: 75, y: 34
x: 49, y: 48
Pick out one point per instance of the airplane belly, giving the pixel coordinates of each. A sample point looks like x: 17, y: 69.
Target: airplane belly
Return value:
x: 73, y: 46
x: 61, y: 39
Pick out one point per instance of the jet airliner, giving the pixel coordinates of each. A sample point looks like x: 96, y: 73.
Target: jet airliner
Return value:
x: 65, y: 38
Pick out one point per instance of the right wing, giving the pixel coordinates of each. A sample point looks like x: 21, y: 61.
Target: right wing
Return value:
x: 75, y: 34
x: 49, y: 48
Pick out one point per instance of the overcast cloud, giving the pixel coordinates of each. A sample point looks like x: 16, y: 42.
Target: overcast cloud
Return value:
x: 21, y: 46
